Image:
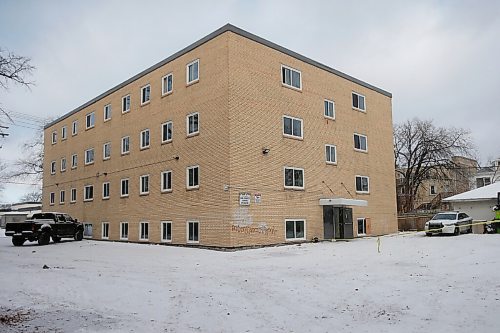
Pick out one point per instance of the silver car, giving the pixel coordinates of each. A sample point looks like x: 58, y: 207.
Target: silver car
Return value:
x: 449, y: 223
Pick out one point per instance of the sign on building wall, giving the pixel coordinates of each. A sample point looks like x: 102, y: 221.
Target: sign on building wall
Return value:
x: 257, y: 198
x: 245, y: 199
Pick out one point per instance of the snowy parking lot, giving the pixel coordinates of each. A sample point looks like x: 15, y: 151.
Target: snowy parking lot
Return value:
x: 415, y: 284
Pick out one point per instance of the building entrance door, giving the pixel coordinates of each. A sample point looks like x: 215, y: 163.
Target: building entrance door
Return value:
x: 337, y: 222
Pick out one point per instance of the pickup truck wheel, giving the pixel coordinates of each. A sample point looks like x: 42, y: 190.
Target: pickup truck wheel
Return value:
x: 18, y: 241
x: 44, y: 238
x: 56, y: 239
x: 79, y: 235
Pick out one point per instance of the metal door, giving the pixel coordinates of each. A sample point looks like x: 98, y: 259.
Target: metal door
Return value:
x: 328, y: 222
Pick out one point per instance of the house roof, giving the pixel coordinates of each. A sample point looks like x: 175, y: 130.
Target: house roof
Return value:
x: 238, y: 31
x: 488, y: 192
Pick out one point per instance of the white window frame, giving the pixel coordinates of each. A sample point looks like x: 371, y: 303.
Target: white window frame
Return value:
x: 141, y: 189
x: 171, y: 123
x: 140, y: 231
x: 74, y: 161
x: 85, y: 198
x: 163, y: 226
x: 432, y: 190
x: 125, y: 152
x: 145, y: 133
x: 163, y: 174
x: 368, y: 182
x: 187, y: 232
x: 52, y: 167
x: 291, y: 69
x: 294, y: 187
x: 187, y: 72
x: 358, y: 96
x: 328, y: 102
x: 64, y: 133
x: 52, y: 198
x: 295, y: 230
x: 74, y: 127
x: 54, y: 137
x: 86, y: 228
x: 122, y: 224
x: 63, y: 164
x: 143, y: 89
x: 363, y: 220
x: 105, y: 230
x: 124, y: 103
x: 330, y: 147
x: 193, y: 187
x: 197, y: 114
x: 122, y: 181
x: 62, y: 197
x: 366, y: 142
x: 87, y: 151
x: 72, y: 195
x: 164, y: 84
x: 292, y: 136
x: 104, y: 185
x: 107, y: 112
x: 91, y: 116
x: 104, y: 156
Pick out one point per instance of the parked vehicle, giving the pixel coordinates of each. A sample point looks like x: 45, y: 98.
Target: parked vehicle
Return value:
x: 449, y: 223
x: 43, y: 226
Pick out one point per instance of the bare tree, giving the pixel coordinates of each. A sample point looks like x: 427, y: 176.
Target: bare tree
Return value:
x: 35, y: 196
x: 29, y: 167
x: 422, y: 149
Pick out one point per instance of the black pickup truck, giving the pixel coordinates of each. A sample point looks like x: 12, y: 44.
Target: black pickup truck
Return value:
x: 43, y: 226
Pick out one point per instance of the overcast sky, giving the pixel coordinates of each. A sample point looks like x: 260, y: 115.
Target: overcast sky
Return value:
x: 440, y: 59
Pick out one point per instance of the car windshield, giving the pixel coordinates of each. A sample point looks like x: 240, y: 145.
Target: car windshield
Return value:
x: 445, y: 216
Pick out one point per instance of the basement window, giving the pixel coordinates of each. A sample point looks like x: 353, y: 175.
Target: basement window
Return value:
x: 166, y: 231
x: 144, y: 231
x: 124, y: 230
x: 105, y: 230
x: 295, y: 229
x: 193, y: 231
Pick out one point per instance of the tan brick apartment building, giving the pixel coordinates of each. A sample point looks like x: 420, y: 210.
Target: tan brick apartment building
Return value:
x: 232, y: 141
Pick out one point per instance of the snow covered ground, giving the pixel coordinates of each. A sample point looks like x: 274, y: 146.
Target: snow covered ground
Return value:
x: 415, y: 284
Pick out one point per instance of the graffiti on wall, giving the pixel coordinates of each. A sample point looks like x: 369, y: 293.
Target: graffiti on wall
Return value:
x: 262, y: 228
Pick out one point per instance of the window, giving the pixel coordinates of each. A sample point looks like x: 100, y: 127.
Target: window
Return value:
x: 166, y: 130
x: 193, y: 232
x: 88, y: 193
x: 329, y: 109
x: 167, y: 84
x: 124, y: 188
x: 63, y: 164
x: 64, y: 133
x: 87, y: 230
x: 106, y: 151
x: 125, y: 145
x: 166, y: 181
x: 89, y: 120
x: 362, y: 184
x: 54, y: 137
x: 74, y: 161
x: 192, y: 71
x: 483, y: 181
x: 295, y: 229
x: 331, y: 154
x: 433, y: 190
x: 291, y: 77
x: 105, y: 190
x: 294, y: 178
x: 360, y: 142
x: 292, y: 127
x: 62, y: 197
x: 145, y: 139
x: 107, y: 112
x: 89, y: 156
x: 358, y: 101
x: 52, y: 198
x: 166, y: 231
x: 192, y: 124
x: 193, y: 177
x: 144, y: 231
x: 73, y: 195
x: 124, y: 230
x: 361, y: 226
x: 125, y: 104
x: 105, y: 230
x: 53, y: 167
x: 145, y: 94
x: 74, y: 127
x: 144, y: 184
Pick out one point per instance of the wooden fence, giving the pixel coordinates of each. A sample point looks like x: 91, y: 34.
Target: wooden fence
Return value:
x: 413, y: 222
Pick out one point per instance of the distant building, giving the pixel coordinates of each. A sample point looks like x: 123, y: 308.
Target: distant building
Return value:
x: 487, y: 175
x: 477, y: 203
x: 19, y: 212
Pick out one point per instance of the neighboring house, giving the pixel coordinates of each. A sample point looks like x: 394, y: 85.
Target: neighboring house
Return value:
x: 487, y: 175
x: 6, y: 217
x: 233, y: 141
x: 437, y: 186
x: 477, y: 203
x: 19, y: 212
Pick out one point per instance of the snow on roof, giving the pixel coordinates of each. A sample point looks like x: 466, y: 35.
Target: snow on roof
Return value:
x: 488, y: 192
